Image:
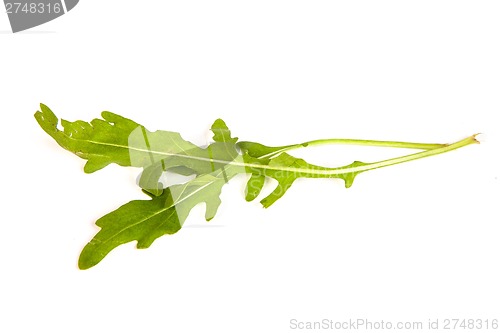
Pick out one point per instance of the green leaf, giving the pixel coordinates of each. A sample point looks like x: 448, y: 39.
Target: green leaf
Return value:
x: 146, y: 220
x: 169, y: 208
x: 115, y: 139
x: 141, y: 220
x: 286, y: 169
x: 101, y: 142
x: 222, y: 133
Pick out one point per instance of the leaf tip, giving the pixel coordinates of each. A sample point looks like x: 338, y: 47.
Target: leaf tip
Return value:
x: 348, y: 182
x: 266, y: 203
x: 211, y: 210
x: 478, y: 137
x: 93, y: 165
x: 110, y: 116
x: 45, y: 117
x: 249, y: 197
x: 83, y: 266
x: 222, y: 132
x: 87, y: 259
x: 219, y: 123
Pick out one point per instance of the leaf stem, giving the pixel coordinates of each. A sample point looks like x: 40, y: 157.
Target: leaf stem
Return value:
x: 373, y: 143
x: 377, y: 143
x: 322, y: 172
x: 397, y: 160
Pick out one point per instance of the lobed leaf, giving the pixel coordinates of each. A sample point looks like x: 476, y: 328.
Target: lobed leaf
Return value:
x: 146, y: 220
x: 115, y: 139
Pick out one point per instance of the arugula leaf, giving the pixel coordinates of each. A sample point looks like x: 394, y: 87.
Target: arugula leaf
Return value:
x: 141, y: 220
x: 146, y: 220
x: 286, y: 169
x: 101, y: 142
x: 115, y: 139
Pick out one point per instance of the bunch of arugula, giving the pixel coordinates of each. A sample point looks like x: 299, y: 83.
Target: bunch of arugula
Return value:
x: 115, y: 139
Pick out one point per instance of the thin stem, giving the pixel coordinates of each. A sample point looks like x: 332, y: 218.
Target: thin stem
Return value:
x: 321, y: 172
x: 377, y: 143
x: 427, y: 153
x: 374, y: 143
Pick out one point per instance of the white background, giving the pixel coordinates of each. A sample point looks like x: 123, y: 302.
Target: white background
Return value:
x: 410, y: 242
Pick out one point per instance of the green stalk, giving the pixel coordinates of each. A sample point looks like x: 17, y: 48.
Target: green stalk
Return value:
x: 397, y: 160
x: 322, y: 172
x: 373, y: 143
x: 377, y: 143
